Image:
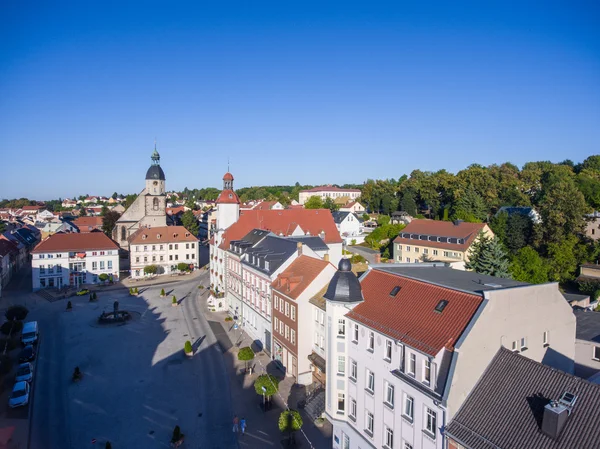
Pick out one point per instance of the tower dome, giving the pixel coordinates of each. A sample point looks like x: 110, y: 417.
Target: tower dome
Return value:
x: 344, y: 286
x: 155, y: 172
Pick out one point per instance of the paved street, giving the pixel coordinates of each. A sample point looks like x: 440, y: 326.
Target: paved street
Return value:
x: 367, y: 253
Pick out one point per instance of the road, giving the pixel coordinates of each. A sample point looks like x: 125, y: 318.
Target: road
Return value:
x: 137, y: 382
x: 367, y: 253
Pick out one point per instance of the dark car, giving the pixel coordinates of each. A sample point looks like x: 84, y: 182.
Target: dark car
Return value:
x: 27, y: 354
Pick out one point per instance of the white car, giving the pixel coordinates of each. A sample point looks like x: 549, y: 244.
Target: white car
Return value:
x: 19, y: 395
x: 24, y: 372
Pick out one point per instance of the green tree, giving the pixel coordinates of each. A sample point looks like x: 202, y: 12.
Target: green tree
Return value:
x: 470, y: 207
x: 104, y: 210
x: 82, y: 211
x: 314, y: 202
x: 245, y: 354
x: 150, y: 269
x: 528, y: 266
x: 182, y: 266
x: 487, y: 256
x: 498, y: 224
x: 109, y: 222
x: 408, y: 203
x: 2, y: 226
x: 518, y: 232
x: 329, y: 203
x: 289, y: 422
x: 190, y: 222
x: 563, y: 261
x: 270, y: 384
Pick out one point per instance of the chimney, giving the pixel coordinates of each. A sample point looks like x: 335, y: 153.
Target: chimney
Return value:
x: 299, y: 246
x: 326, y: 257
x: 554, y: 419
x: 377, y: 258
x: 457, y: 222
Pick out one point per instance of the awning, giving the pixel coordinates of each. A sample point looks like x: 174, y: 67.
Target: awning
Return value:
x: 317, y: 360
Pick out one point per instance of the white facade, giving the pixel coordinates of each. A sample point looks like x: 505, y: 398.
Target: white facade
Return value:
x: 354, y: 207
x: 328, y: 192
x: 63, y: 268
x: 349, y: 226
x: 165, y: 255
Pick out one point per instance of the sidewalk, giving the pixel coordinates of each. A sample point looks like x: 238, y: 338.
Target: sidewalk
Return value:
x: 262, y: 428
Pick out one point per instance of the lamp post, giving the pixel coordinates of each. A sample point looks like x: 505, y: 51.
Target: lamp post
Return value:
x: 264, y: 390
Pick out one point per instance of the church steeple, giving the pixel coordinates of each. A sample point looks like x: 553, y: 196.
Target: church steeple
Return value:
x: 155, y: 156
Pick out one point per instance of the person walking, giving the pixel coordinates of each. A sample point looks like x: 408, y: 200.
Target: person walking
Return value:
x: 235, y: 424
x: 243, y: 425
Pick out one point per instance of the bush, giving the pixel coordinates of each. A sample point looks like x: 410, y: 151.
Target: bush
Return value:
x: 270, y: 382
x: 69, y: 305
x: 289, y: 421
x: 228, y: 318
x: 5, y: 364
x: 182, y: 266
x: 177, y: 435
x: 174, y: 300
x: 16, y: 313
x: 150, y: 269
x: 357, y: 258
x: 103, y: 277
x: 596, y: 295
x: 187, y: 347
x: 352, y: 242
x: 131, y: 290
x: 162, y: 292
x: 11, y: 327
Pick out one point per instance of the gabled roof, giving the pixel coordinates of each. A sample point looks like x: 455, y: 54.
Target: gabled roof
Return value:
x: 339, y: 216
x: 272, y: 250
x: 505, y: 408
x: 161, y: 234
x: 588, y: 325
x: 410, y: 315
x: 32, y: 208
x: 86, y: 224
x: 445, y: 229
x: 284, y: 222
x: 75, y: 242
x: 301, y: 273
x: 314, y: 243
x: 330, y: 189
x: 265, y: 205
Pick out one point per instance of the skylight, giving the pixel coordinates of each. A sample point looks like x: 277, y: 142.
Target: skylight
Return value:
x: 441, y: 306
x: 395, y: 291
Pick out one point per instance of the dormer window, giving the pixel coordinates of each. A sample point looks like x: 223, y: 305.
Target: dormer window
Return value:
x: 143, y: 236
x: 158, y: 236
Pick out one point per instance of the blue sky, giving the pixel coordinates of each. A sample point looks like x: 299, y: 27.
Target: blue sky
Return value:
x: 314, y: 92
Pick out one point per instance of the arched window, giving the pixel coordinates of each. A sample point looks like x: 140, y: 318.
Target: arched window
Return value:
x: 123, y: 233
x: 155, y: 204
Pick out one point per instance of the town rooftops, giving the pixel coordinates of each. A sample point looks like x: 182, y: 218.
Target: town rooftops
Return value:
x: 32, y: 208
x: 444, y: 276
x: 588, y: 325
x: 456, y: 235
x: 313, y: 242
x: 298, y: 276
x: 75, y: 242
x: 7, y: 247
x: 507, y: 408
x: 288, y: 222
x: 161, y: 234
x: 330, y: 188
x: 339, y: 216
x: 268, y: 255
x: 86, y: 224
x: 228, y: 196
x: 248, y: 241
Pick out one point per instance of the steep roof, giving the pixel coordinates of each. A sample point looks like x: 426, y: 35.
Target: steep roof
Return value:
x: 329, y: 189
x: 161, y: 234
x: 269, y: 254
x: 284, y: 222
x: 506, y: 407
x: 75, y: 242
x: 299, y: 275
x: 588, y: 325
x: 410, y: 315
x: 313, y: 242
x: 228, y: 196
x: 467, y: 232
x: 86, y: 224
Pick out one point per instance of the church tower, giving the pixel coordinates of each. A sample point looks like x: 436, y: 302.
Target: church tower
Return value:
x: 228, y: 205
x: 156, y: 199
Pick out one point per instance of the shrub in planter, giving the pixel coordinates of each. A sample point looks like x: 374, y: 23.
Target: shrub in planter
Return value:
x: 290, y: 421
x: 187, y: 348
x: 177, y: 435
x: 103, y: 277
x: 228, y: 318
x: 16, y: 313
x: 270, y: 382
x: 69, y: 305
x: 131, y: 290
x: 174, y: 301
x: 5, y: 364
x: 162, y: 293
x: 11, y: 327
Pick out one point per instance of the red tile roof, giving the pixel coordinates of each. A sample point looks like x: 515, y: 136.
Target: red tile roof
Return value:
x: 283, y: 222
x: 87, y: 224
x: 75, y: 242
x: 228, y: 177
x: 32, y: 208
x: 299, y: 275
x: 410, y: 316
x: 463, y: 230
x: 265, y: 205
x: 329, y: 189
x: 161, y: 234
x: 228, y: 197
x: 175, y: 210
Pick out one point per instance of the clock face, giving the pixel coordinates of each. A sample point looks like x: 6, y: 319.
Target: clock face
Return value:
x: 155, y: 183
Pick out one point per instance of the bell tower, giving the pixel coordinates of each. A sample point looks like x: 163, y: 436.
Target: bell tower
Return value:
x: 228, y: 205
x: 155, y: 176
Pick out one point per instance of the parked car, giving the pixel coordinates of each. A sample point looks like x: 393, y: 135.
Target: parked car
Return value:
x: 24, y: 372
x: 29, y: 334
x: 83, y: 291
x: 19, y: 395
x: 27, y: 354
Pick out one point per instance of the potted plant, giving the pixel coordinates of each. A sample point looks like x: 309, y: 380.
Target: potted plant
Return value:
x: 177, y: 437
x: 174, y: 301
x: 69, y: 306
x: 187, y: 348
x: 162, y: 293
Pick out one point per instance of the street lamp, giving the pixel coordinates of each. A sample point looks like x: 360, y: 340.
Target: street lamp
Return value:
x: 264, y: 390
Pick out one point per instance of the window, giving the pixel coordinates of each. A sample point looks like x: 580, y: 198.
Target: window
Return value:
x: 416, y: 249
x: 145, y: 248
x: 389, y: 437
x: 187, y: 246
x: 316, y: 315
x: 322, y: 318
x: 155, y: 203
x: 412, y: 364
x: 322, y: 342
x: 352, y: 413
x: 275, y: 321
x: 341, y: 402
x: 293, y: 312
x: 389, y: 394
x: 345, y: 441
x: 287, y: 332
x: 341, y: 365
x: 596, y: 353
x: 281, y: 327
x: 395, y: 291
x: 170, y: 246
x: 193, y: 245
x: 370, y: 423
x: 430, y: 422
x: 370, y: 381
x: 170, y: 257
x: 316, y: 339
x: 160, y: 247
x: 514, y: 346
x: 341, y: 327
x: 287, y: 309
x: 153, y: 247
x: 162, y: 258
x: 425, y: 251
x: 94, y: 253
x: 353, y: 369
x: 409, y: 406
x: 176, y: 246
x: 427, y: 371
x: 102, y: 265
x: 523, y: 343
x: 109, y: 265
x: 371, y: 341
x: 176, y: 257
x: 153, y: 258
x: 59, y: 268
x: 435, y: 252
x: 545, y: 339
x: 355, y: 336
x: 94, y: 265
x: 408, y: 259
x: 388, y: 350
x: 293, y: 336
x: 408, y: 249
x: 407, y: 446
x: 145, y: 259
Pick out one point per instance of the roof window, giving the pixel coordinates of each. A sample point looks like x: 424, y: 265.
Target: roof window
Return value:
x: 568, y: 399
x: 395, y: 291
x: 441, y: 306
x: 158, y: 236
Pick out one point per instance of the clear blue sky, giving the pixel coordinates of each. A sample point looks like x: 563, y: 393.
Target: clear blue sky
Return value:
x: 291, y: 91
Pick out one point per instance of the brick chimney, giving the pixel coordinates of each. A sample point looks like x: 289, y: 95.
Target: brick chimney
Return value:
x: 326, y: 257
x: 377, y: 258
x: 299, y: 246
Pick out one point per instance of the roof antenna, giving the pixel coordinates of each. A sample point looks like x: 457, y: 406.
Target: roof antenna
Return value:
x: 227, y: 164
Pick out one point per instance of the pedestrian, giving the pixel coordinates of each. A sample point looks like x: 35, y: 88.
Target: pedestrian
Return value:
x: 235, y: 424
x: 243, y: 425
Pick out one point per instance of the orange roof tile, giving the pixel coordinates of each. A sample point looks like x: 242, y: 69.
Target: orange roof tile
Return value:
x: 228, y: 197
x: 162, y: 234
x: 86, y: 224
x: 410, y: 316
x: 75, y: 242
x: 283, y: 222
x: 299, y: 275
x: 463, y: 230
